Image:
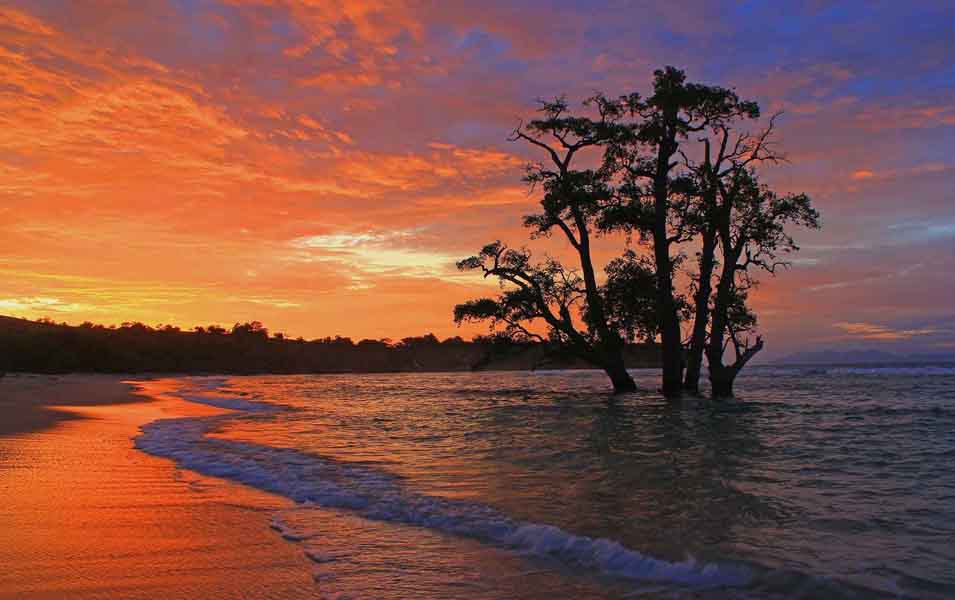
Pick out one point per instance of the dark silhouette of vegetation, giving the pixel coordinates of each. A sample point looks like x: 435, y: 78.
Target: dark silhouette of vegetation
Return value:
x: 751, y: 222
x: 655, y: 195
x: 671, y: 173
x: 247, y: 348
x: 569, y: 300
x: 724, y: 154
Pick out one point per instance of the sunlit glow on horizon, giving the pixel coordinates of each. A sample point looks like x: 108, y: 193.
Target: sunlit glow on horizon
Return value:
x: 321, y: 167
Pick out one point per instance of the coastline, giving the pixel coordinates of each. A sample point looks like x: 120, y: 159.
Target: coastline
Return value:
x: 85, y: 514
x: 31, y: 403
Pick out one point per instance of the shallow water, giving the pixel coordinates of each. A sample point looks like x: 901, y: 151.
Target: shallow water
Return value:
x: 816, y: 482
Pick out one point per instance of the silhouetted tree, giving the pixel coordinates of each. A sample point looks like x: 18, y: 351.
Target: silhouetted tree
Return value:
x: 418, y: 341
x: 751, y: 224
x: 568, y: 300
x: 630, y: 296
x: 725, y: 152
x: 253, y: 330
x: 655, y: 193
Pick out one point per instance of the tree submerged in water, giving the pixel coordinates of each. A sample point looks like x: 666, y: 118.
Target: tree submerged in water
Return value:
x: 656, y: 196
x: 751, y: 222
x: 671, y: 173
x: 569, y: 300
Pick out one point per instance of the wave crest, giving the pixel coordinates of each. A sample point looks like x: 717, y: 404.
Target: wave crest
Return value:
x: 310, y: 478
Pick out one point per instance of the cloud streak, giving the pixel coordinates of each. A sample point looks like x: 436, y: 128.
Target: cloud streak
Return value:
x: 295, y: 161
x: 871, y: 331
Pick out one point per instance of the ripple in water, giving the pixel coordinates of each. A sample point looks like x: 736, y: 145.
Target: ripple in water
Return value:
x: 818, y: 482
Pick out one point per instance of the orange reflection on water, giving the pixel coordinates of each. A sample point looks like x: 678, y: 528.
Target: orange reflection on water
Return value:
x: 84, y: 514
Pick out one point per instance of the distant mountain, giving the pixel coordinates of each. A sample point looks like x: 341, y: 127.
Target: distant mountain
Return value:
x: 931, y: 358
x: 831, y: 357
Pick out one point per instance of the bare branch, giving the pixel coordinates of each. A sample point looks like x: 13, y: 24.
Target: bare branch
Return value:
x: 520, y: 135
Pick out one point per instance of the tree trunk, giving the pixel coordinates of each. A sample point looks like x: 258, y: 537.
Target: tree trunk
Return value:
x: 694, y: 359
x: 721, y: 381
x: 720, y: 384
x: 622, y: 382
x: 672, y: 355
x: 670, y: 337
x: 672, y: 345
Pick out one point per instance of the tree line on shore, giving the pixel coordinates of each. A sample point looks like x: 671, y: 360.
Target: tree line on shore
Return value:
x: 48, y: 347
x: 676, y: 176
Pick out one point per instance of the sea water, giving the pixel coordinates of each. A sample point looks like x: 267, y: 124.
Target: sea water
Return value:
x: 814, y: 482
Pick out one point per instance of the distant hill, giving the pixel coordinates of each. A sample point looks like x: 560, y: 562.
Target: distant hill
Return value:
x: 836, y: 357
x: 47, y: 347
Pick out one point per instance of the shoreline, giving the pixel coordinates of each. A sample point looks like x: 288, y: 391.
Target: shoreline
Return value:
x: 85, y: 514
x: 32, y: 402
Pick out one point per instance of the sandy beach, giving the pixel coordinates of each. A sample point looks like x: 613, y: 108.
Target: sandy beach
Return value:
x: 85, y: 515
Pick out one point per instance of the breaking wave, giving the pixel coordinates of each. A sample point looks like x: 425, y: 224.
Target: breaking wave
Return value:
x: 310, y: 478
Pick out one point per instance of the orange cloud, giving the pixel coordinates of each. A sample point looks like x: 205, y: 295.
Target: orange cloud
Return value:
x: 870, y: 331
x: 177, y: 207
x: 207, y: 165
x: 11, y: 18
x: 931, y: 168
x: 906, y: 117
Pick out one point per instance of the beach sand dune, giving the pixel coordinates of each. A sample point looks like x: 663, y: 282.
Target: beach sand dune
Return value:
x: 85, y: 515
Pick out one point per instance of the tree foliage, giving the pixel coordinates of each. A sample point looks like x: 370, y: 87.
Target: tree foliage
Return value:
x: 753, y: 223
x: 568, y: 300
x: 675, y: 168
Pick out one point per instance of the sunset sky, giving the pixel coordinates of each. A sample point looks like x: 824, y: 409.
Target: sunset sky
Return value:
x: 318, y: 165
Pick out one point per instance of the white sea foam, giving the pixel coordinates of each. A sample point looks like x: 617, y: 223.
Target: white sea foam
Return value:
x: 229, y: 402
x: 213, y: 391
x: 380, y: 496
x: 207, y: 383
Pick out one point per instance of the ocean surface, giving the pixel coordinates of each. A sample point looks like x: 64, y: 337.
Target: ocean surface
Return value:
x: 816, y: 482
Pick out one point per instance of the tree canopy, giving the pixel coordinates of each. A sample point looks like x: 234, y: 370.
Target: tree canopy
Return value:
x: 677, y: 172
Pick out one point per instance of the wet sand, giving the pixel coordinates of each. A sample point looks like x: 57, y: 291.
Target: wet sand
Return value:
x: 30, y: 403
x: 85, y: 515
